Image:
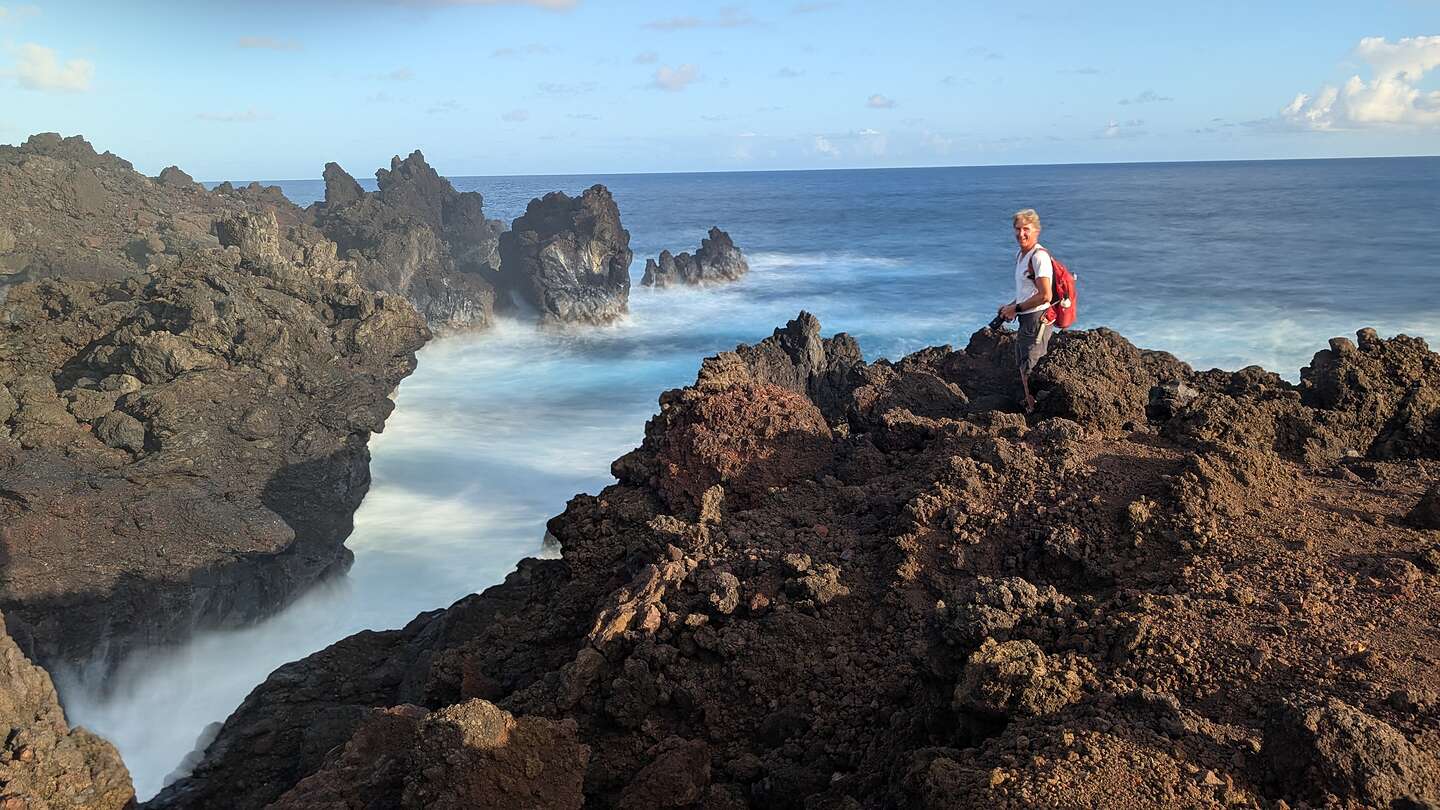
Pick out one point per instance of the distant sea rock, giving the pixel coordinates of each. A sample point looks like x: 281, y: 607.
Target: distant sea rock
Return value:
x: 184, y: 418
x: 416, y: 236
x: 570, y: 258
x: 44, y: 762
x: 717, y: 261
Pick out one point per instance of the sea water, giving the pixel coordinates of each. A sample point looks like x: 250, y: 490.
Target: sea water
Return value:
x: 1223, y: 264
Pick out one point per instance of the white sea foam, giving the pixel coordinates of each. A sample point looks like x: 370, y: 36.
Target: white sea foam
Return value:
x: 772, y: 260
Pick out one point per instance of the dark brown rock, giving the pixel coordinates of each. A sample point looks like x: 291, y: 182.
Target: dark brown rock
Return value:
x: 43, y: 762
x: 145, y: 491
x: 795, y: 358
x: 1382, y: 400
x: 417, y: 237
x: 1098, y: 379
x: 1426, y: 512
x: 1327, y: 747
x: 175, y: 177
x: 677, y: 776
x: 745, y: 438
x: 717, y: 261
x: 1015, y: 678
x: 957, y: 608
x: 570, y: 258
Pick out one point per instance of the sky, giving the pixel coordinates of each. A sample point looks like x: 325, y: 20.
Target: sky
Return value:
x: 272, y: 90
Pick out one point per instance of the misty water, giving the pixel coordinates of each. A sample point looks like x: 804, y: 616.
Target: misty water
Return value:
x: 1223, y: 264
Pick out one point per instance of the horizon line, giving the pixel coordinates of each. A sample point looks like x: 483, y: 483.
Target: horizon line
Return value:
x: 880, y: 168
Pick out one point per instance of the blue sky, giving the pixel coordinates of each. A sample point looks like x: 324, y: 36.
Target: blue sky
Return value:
x: 275, y: 89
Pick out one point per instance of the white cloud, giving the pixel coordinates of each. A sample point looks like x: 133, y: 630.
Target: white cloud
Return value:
x: 788, y: 73
x: 38, y: 68
x: 674, y: 80
x: 647, y: 58
x: 873, y: 143
x: 449, y: 105
x: 1123, y: 129
x: 729, y: 17
x: 516, y: 116
x: 1146, y: 97
x: 824, y: 147
x: 1391, y: 98
x: 267, y: 44
x: 811, y: 8
x: 879, y: 102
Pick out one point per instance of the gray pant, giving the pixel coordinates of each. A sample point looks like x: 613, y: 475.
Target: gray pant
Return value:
x: 1032, y: 340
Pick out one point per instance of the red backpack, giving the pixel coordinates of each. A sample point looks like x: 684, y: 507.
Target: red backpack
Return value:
x: 1062, y: 293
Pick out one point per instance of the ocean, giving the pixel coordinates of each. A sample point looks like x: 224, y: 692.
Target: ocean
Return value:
x: 1223, y: 264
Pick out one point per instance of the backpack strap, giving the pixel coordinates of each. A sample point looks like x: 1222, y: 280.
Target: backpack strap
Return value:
x: 1030, y: 269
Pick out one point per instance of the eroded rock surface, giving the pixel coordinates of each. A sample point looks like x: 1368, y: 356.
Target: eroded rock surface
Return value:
x: 569, y: 258
x: 68, y: 212
x: 417, y: 237
x: 717, y: 261
x: 185, y: 446
x: 825, y: 583
x: 43, y: 762
x: 469, y: 756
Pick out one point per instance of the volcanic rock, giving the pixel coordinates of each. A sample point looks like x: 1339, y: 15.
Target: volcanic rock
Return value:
x: 1382, y: 399
x: 1099, y: 378
x: 570, y: 258
x: 43, y: 762
x: 795, y: 358
x: 825, y: 583
x: 1015, y: 678
x: 418, y: 237
x: 186, y: 447
x: 175, y: 177
x: 716, y: 262
x: 470, y: 755
x: 1327, y: 748
x: 68, y: 212
x: 1426, y: 512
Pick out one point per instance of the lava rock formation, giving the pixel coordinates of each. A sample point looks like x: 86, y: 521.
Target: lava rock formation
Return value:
x: 418, y: 237
x: 825, y: 583
x: 569, y: 258
x: 717, y: 261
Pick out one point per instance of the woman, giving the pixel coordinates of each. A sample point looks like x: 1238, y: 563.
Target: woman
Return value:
x: 1034, y: 277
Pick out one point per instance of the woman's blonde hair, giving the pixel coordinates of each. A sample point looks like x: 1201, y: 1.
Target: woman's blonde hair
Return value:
x: 1026, y: 215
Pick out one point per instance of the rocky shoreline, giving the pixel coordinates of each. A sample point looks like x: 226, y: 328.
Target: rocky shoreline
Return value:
x: 824, y: 583
x: 189, y: 378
